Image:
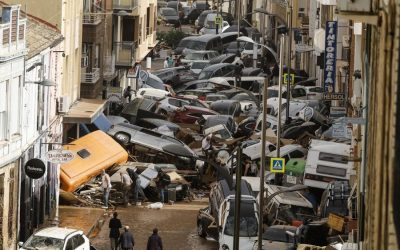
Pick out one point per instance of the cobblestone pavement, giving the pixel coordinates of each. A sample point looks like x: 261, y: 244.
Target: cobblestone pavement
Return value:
x: 176, y: 224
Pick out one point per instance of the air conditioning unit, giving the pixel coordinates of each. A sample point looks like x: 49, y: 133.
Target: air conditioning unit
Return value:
x: 63, y: 104
x: 355, y: 5
x: 84, y: 61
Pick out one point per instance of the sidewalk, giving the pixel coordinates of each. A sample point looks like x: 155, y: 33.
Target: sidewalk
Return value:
x: 83, y: 218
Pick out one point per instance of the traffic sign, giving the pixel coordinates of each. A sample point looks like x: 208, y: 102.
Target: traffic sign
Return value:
x: 277, y: 165
x: 218, y: 20
x: 285, y: 78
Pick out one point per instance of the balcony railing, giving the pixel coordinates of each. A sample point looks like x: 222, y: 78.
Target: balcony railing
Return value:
x: 91, y: 77
x: 125, y: 4
x: 124, y: 53
x: 92, y: 18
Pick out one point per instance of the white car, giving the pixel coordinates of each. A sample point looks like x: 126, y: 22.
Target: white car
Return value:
x: 197, y: 66
x: 312, y: 92
x: 151, y: 93
x: 210, y: 26
x: 170, y: 105
x: 57, y: 238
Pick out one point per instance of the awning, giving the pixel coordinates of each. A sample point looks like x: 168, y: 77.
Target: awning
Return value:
x: 84, y: 111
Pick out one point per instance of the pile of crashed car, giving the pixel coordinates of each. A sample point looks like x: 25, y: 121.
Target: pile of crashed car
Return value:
x: 165, y: 125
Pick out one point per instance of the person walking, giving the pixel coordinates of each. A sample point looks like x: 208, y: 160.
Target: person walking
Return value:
x: 126, y: 187
x: 163, y: 181
x: 114, y: 225
x: 166, y: 62
x: 138, y: 188
x: 128, y: 93
x: 170, y: 62
x: 154, y: 242
x: 126, y: 240
x: 106, y: 185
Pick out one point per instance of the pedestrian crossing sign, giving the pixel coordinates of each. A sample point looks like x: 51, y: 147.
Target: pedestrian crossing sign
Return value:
x: 277, y: 165
x: 218, y: 20
x: 286, y: 78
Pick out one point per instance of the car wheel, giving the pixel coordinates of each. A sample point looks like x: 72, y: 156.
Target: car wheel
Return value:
x: 201, y: 231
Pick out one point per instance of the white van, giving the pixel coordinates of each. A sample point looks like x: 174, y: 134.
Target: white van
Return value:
x: 327, y: 161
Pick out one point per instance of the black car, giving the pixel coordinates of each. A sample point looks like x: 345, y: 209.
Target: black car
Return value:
x: 175, y: 76
x: 217, y: 70
x: 191, y: 15
x: 227, y: 107
x: 169, y: 15
x: 232, y: 47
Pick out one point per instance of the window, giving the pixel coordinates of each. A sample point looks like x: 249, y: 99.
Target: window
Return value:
x: 333, y: 158
x: 14, y: 119
x: 296, y: 154
x: 70, y: 244
x: 173, y: 102
x: 3, y: 110
x: 299, y: 92
x: 331, y: 171
x: 83, y: 153
x: 78, y: 240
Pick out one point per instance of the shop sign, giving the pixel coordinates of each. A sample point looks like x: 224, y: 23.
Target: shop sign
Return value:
x: 35, y: 168
x: 60, y: 156
x: 330, y: 56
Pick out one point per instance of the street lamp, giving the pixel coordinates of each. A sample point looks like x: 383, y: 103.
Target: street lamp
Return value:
x: 44, y: 83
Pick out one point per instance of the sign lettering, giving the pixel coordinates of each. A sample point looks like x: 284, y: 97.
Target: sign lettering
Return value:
x: 330, y: 57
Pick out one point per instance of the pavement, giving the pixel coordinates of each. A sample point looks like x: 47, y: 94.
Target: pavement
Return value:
x: 176, y: 224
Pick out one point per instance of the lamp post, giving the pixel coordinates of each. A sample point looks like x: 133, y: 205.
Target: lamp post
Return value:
x: 44, y: 83
x: 238, y: 196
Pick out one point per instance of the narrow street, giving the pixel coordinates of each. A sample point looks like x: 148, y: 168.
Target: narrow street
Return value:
x: 176, y: 224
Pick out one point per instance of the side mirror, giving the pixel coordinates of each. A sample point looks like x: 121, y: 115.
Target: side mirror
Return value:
x: 20, y: 244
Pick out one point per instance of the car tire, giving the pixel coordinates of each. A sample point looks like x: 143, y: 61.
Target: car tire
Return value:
x: 201, y: 231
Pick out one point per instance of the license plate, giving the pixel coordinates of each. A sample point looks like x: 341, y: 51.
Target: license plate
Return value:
x: 291, y: 179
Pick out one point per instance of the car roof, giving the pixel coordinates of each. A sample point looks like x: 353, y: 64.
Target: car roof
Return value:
x: 201, y: 51
x: 167, y: 8
x: 216, y: 66
x: 291, y: 198
x: 56, y: 232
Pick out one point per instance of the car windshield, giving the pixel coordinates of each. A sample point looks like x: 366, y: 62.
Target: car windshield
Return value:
x: 273, y: 93
x: 249, y: 46
x: 169, y: 12
x: 289, y: 213
x: 248, y: 226
x: 41, y: 242
x: 192, y: 44
x: 195, y: 56
x: 205, y: 75
x: 242, y: 97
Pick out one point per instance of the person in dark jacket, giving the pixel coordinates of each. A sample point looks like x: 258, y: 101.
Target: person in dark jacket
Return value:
x: 126, y: 240
x: 154, y: 242
x: 114, y: 225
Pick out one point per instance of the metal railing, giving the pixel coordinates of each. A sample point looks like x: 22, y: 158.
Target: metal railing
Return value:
x: 92, y: 18
x: 124, y: 53
x: 125, y: 4
x: 91, y: 77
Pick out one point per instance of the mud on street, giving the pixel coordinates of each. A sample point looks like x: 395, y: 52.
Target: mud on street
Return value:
x: 176, y: 224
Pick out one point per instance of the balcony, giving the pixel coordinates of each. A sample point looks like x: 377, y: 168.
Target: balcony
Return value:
x: 91, y: 77
x: 92, y: 18
x: 125, y: 4
x: 124, y: 53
